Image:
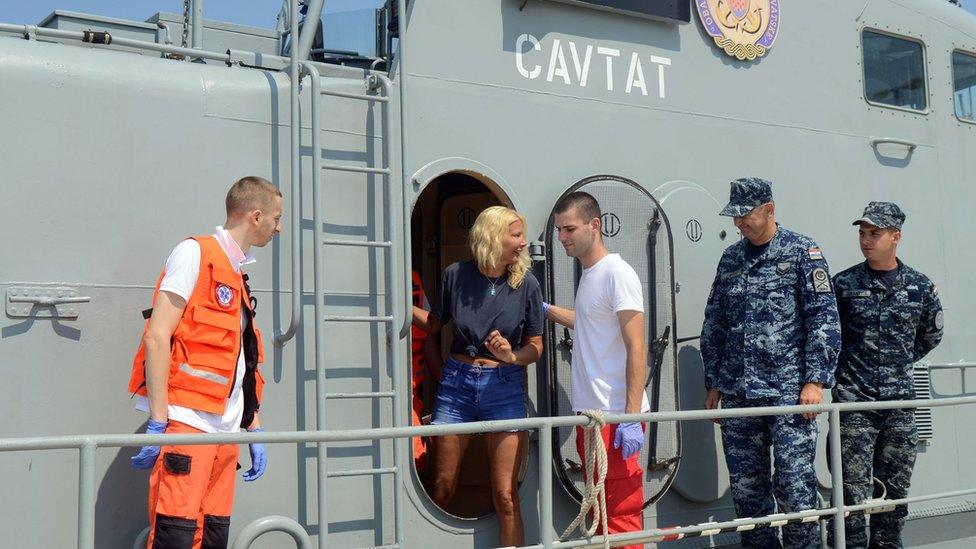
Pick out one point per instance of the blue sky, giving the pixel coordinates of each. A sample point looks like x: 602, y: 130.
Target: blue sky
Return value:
x: 259, y: 13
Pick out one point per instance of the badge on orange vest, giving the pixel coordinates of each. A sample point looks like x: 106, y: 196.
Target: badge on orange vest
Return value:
x: 224, y: 295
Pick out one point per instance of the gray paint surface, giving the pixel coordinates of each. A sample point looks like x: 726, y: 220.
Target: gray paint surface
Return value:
x: 115, y: 157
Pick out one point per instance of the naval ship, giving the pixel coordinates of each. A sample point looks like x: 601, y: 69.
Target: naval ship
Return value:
x: 121, y: 137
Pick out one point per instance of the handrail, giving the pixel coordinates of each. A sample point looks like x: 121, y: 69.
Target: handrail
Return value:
x: 659, y: 534
x: 404, y: 201
x: 68, y: 442
x: 952, y: 366
x: 281, y: 338
x: 31, y: 30
x: 88, y: 444
x: 318, y: 287
x: 875, y: 141
x: 263, y: 525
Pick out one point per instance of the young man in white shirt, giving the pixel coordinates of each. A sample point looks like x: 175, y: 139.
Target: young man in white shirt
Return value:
x: 196, y: 371
x: 609, y: 353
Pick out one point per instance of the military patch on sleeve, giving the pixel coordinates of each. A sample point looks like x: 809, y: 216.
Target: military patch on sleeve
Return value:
x: 815, y: 253
x: 821, y: 281
x: 938, y: 320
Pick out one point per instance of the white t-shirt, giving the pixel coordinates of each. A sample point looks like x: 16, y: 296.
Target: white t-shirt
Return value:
x: 599, y: 373
x: 182, y: 270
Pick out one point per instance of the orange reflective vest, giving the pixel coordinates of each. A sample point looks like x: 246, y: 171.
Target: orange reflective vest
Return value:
x: 208, y: 340
x: 418, y: 335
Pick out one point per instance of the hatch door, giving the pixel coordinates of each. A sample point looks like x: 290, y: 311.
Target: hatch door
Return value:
x: 634, y: 226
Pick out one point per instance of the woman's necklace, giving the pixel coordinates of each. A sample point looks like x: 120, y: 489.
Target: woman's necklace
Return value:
x: 493, y: 282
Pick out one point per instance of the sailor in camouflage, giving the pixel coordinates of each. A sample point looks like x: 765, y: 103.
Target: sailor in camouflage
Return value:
x: 770, y: 338
x: 890, y: 317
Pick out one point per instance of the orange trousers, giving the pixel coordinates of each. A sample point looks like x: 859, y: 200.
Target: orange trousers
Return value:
x: 419, y: 444
x: 624, y: 487
x: 191, y: 494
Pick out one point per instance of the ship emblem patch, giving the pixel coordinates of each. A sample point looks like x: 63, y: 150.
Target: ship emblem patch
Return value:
x: 224, y: 295
x: 745, y: 29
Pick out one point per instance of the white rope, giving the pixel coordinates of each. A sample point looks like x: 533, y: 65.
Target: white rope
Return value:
x: 595, y: 472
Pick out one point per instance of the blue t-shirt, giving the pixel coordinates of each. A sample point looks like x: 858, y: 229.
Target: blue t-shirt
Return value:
x: 466, y: 298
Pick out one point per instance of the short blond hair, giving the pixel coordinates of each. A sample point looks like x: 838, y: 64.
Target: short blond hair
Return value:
x: 248, y: 194
x: 485, y: 240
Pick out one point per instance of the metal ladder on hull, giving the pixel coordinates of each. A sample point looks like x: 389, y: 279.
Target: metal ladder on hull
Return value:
x: 387, y: 320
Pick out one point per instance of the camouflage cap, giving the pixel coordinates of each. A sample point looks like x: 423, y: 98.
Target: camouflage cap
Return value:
x: 746, y: 194
x: 883, y: 215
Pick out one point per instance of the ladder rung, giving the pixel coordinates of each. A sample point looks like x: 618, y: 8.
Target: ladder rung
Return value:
x: 375, y: 394
x: 362, y: 472
x: 362, y: 97
x: 358, y: 243
x: 356, y: 169
x: 341, y: 318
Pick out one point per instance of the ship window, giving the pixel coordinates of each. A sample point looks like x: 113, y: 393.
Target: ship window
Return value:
x: 964, y: 85
x: 894, y: 71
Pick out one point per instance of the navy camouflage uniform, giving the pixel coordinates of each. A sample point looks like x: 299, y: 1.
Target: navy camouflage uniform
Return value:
x: 771, y: 326
x: 884, y: 331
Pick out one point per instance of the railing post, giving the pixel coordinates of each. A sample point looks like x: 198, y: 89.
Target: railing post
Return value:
x: 837, y: 478
x: 86, y: 496
x: 405, y: 192
x: 545, y: 485
x: 294, y: 74
x: 196, y: 25
x: 318, y: 270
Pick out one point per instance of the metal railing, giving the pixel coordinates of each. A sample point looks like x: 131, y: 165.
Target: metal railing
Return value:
x: 88, y: 444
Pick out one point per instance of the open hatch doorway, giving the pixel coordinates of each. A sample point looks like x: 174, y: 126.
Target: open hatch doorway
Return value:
x: 442, y: 216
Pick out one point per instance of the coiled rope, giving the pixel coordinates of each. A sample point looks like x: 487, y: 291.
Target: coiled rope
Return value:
x: 595, y: 473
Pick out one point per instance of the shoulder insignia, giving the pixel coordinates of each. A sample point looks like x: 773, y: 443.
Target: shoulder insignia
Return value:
x: 938, y: 320
x: 821, y: 281
x: 783, y: 268
x: 815, y: 253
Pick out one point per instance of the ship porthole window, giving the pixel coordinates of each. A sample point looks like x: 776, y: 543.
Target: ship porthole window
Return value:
x: 964, y: 85
x: 894, y: 71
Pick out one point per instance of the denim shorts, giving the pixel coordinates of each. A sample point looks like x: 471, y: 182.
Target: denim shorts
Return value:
x: 469, y: 392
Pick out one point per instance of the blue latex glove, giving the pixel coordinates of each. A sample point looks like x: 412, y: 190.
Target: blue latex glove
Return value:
x: 630, y: 437
x: 146, y: 457
x: 545, y: 310
x: 259, y: 459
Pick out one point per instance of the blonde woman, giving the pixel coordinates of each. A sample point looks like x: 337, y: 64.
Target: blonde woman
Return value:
x: 494, y: 306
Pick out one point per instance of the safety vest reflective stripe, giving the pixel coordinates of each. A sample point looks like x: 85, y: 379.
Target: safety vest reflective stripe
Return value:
x: 209, y: 376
